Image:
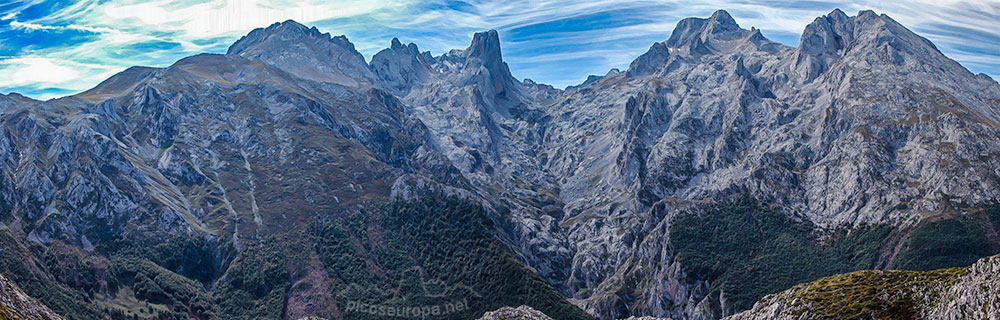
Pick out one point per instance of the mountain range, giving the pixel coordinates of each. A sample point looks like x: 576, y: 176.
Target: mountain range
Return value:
x: 291, y: 178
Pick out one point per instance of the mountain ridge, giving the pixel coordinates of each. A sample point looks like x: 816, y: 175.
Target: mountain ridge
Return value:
x: 865, y: 124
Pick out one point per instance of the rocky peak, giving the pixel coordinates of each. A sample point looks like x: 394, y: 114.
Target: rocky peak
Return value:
x: 877, y: 39
x: 400, y: 67
x: 699, y: 35
x: 486, y: 47
x: 651, y: 61
x: 410, y: 49
x: 721, y: 21
x: 873, y: 30
x: 306, y: 53
x: 288, y: 29
x: 836, y: 31
x: 827, y: 34
x: 511, y: 313
x: 485, y: 51
x: 757, y: 38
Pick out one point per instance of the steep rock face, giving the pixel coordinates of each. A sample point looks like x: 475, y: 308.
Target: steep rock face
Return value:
x: 214, y: 145
x: 234, y: 148
x: 15, y: 305
x: 715, y: 111
x: 823, y: 41
x: 489, y: 125
x: 958, y: 293
x: 401, y: 67
x: 976, y: 295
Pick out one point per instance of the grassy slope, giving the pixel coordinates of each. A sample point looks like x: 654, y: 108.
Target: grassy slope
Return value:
x: 872, y: 294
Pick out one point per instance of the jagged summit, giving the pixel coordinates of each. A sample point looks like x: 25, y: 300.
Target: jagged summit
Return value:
x: 827, y: 34
x: 286, y: 29
x: 485, y: 50
x: 837, y: 31
x: 869, y: 37
x: 693, y: 37
x: 721, y: 21
x: 698, y: 34
x: 290, y: 26
x: 400, y: 66
x: 486, y: 46
x: 306, y: 53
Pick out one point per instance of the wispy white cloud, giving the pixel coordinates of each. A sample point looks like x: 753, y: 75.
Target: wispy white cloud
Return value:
x: 47, y: 73
x: 553, y: 41
x: 222, y: 17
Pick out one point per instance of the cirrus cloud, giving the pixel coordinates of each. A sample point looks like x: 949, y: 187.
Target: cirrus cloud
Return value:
x: 51, y: 48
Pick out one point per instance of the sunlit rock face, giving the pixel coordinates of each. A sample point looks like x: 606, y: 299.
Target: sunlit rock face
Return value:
x: 864, y: 122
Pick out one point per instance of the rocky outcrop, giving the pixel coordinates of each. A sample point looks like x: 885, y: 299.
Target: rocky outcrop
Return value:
x: 519, y: 313
x: 959, y: 293
x: 15, y: 305
x: 528, y: 313
x: 401, y: 67
x: 975, y: 295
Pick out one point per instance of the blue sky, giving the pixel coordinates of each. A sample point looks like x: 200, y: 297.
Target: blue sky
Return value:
x: 52, y: 48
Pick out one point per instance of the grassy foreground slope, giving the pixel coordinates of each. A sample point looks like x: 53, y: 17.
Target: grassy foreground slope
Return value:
x: 746, y: 249
x: 971, y: 292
